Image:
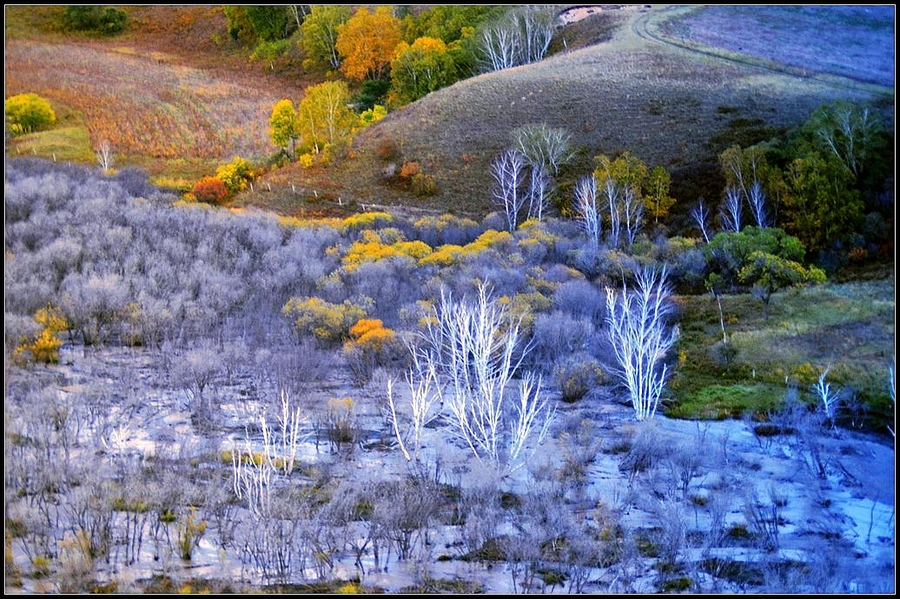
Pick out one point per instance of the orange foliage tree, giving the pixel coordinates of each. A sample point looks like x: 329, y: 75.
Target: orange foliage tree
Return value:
x: 366, y: 43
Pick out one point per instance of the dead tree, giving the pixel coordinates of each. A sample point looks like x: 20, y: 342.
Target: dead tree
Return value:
x: 508, y: 171
x: 641, y: 338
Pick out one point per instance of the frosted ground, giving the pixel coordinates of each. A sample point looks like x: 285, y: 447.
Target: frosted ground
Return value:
x: 831, y: 492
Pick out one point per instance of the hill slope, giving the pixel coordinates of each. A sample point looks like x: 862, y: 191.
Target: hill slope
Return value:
x: 669, y: 105
x: 645, y: 82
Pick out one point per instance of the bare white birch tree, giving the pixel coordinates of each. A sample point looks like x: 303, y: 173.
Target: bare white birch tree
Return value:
x: 731, y: 210
x: 536, y: 24
x: 500, y: 47
x: 846, y: 131
x: 586, y: 207
x: 508, y: 171
x: 422, y: 382
x: 478, y: 350
x: 633, y: 209
x: 757, y: 199
x: 540, y: 185
x: 253, y: 473
x: 641, y: 338
x: 540, y: 144
x: 105, y: 156
x: 522, y: 36
x: 611, y: 192
x: 892, y: 386
x: 700, y: 214
x: 827, y: 396
x: 545, y: 150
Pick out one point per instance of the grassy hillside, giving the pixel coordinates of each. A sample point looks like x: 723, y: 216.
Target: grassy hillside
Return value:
x: 172, y: 94
x: 651, y: 80
x: 847, y: 327
x: 668, y: 105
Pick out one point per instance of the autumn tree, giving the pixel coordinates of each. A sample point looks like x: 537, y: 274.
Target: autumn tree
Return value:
x: 28, y: 112
x: 323, y: 118
x: 625, y: 178
x: 625, y: 169
x: 319, y: 32
x: 658, y: 200
x: 283, y: 126
x: 420, y: 68
x: 366, y: 43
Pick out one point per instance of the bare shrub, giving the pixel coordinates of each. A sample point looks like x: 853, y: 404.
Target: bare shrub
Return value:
x: 580, y: 298
x: 644, y: 449
x: 577, y: 376
x: 557, y: 337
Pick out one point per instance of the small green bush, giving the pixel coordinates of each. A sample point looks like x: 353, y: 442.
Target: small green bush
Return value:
x: 95, y: 19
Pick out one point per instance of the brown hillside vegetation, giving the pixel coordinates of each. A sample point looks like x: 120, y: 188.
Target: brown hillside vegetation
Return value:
x: 171, y: 94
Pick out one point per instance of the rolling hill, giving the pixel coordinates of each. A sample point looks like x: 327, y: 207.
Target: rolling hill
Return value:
x: 670, y: 105
x: 657, y: 81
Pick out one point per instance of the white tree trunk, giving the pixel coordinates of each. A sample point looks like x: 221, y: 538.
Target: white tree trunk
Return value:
x: 731, y: 210
x: 508, y: 171
x: 586, y: 206
x: 641, y: 338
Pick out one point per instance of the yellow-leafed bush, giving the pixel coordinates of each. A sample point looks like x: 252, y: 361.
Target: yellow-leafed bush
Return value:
x: 371, y: 345
x: 371, y: 248
x: 28, y: 112
x: 236, y: 174
x: 327, y: 322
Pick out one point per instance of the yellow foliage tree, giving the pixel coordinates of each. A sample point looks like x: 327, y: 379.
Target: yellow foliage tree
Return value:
x: 283, y: 126
x: 44, y: 347
x: 236, y: 174
x: 327, y: 322
x: 28, y: 112
x: 366, y: 43
x: 323, y: 118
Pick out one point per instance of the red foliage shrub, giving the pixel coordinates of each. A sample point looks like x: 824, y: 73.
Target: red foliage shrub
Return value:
x: 210, y: 190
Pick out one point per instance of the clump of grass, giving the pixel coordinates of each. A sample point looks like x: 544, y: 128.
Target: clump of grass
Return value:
x: 848, y: 326
x: 67, y: 141
x: 718, y: 402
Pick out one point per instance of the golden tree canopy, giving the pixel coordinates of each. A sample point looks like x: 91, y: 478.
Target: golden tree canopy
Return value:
x: 367, y: 42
